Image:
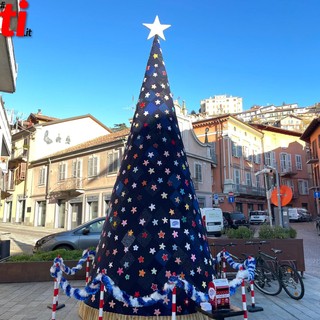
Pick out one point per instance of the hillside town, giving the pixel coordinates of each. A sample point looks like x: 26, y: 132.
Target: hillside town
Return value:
x: 55, y: 175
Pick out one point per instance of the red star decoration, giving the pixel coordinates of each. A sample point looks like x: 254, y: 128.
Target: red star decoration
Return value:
x: 142, y: 104
x: 144, y: 183
x: 137, y: 294
x: 161, y: 234
x: 165, y: 257
x: 135, y: 156
x: 144, y: 235
x: 186, y: 182
x: 173, y: 142
x: 141, y: 259
x: 194, y: 223
x: 115, y: 213
x: 154, y: 287
x: 126, y: 181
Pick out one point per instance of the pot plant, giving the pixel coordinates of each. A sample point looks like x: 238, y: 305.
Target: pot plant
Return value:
x: 275, y: 237
x: 36, y: 267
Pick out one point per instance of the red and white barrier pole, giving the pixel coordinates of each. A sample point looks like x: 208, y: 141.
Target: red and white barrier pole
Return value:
x: 244, y: 301
x: 224, y: 265
x: 87, y: 269
x: 174, y: 303
x: 253, y: 303
x: 101, y: 302
x: 55, y: 298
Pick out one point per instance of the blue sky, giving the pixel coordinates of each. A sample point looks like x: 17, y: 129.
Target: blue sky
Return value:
x: 90, y: 57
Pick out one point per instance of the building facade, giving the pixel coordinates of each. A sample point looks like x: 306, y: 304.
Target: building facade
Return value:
x: 221, y: 104
x: 37, y: 142
x: 239, y: 153
x: 312, y: 137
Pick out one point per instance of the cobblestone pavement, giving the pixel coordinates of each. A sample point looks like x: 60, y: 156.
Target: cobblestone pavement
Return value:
x: 29, y: 301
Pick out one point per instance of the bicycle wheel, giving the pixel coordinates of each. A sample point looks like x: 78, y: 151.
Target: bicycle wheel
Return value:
x: 292, y: 282
x: 267, y: 281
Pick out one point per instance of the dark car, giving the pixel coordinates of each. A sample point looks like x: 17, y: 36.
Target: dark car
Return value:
x: 82, y: 237
x: 236, y: 219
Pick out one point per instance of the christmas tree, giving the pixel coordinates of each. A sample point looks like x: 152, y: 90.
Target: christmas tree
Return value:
x: 153, y: 230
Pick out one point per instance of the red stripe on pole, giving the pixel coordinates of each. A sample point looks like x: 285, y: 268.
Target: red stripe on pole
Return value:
x: 174, y: 304
x: 87, y: 270
x: 252, y: 294
x: 244, y: 301
x: 101, y: 302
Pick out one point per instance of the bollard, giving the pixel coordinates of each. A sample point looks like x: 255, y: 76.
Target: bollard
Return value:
x: 55, y: 298
x: 224, y: 265
x: 87, y: 270
x: 244, y: 301
x: 101, y: 302
x: 174, y: 303
x: 253, y: 307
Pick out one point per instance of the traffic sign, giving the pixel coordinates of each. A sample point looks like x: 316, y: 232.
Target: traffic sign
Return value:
x: 231, y: 199
x: 316, y: 194
x: 216, y: 196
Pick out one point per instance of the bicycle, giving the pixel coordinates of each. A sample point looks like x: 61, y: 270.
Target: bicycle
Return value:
x: 271, y: 280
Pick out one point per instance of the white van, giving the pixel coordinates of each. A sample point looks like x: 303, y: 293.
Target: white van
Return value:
x: 213, y: 219
x: 299, y: 214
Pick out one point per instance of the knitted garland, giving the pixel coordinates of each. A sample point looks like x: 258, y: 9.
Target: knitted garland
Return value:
x: 246, y: 271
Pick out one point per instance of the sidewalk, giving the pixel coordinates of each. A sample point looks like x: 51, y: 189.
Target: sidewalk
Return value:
x: 29, y: 301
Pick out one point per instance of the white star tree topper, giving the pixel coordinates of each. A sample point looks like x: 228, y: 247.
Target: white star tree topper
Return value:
x: 156, y: 28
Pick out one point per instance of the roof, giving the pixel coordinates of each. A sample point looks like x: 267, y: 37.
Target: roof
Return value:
x: 275, y: 129
x: 314, y: 124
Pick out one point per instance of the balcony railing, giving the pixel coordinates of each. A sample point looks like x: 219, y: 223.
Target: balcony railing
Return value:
x: 244, y: 190
x: 70, y: 184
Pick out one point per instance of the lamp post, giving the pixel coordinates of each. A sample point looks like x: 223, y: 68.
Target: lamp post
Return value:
x: 265, y: 171
x: 278, y: 195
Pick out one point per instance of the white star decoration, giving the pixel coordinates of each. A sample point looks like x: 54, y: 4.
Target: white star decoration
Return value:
x: 156, y: 28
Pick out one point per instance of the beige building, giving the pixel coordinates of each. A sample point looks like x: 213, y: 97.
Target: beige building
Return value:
x: 35, y: 142
x: 74, y: 185
x: 221, y: 104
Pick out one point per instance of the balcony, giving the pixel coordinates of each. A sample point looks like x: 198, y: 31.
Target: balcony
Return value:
x: 71, y: 187
x: 287, y: 171
x: 17, y: 157
x: 313, y: 159
x: 243, y: 190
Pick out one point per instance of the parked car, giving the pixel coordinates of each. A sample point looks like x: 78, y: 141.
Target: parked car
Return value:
x: 299, y: 214
x: 82, y: 237
x: 213, y: 221
x: 259, y: 216
x: 236, y: 219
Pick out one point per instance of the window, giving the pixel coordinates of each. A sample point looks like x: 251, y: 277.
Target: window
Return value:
x: 248, y: 179
x: 258, y: 181
x: 236, y: 179
x: 298, y: 162
x: 303, y: 187
x: 285, y: 162
x: 113, y: 162
x: 76, y: 169
x: 198, y: 172
x: 289, y: 183
x: 62, y: 171
x: 256, y: 157
x: 236, y: 150
x: 42, y: 176
x: 269, y: 158
x: 92, y: 166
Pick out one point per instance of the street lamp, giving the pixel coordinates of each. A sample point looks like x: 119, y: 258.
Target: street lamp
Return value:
x: 265, y: 172
x: 278, y: 194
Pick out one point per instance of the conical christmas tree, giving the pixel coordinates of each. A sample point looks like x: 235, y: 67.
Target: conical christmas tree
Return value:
x: 153, y: 230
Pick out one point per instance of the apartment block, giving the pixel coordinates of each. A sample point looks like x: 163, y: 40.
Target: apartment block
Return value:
x: 221, y: 104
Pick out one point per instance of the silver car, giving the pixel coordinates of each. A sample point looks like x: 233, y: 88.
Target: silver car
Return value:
x: 82, y: 237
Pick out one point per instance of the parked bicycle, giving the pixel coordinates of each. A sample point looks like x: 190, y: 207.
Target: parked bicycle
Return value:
x: 271, y: 275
